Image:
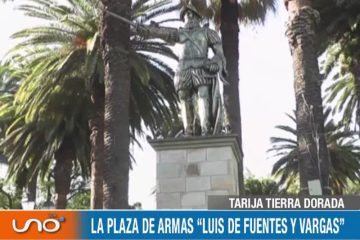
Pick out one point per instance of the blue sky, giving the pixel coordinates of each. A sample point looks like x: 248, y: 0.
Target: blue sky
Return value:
x: 266, y: 93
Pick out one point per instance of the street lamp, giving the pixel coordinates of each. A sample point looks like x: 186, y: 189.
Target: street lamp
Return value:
x: 3, y: 166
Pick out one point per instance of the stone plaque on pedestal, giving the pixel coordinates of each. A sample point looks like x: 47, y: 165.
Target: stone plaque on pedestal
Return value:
x: 191, y: 169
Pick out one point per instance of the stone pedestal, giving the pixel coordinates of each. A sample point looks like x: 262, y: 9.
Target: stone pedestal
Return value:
x: 191, y: 169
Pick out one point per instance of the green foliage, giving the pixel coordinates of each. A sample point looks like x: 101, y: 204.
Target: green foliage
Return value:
x: 250, y: 11
x: 5, y: 198
x: 80, y: 200
x: 343, y: 149
x: 254, y: 12
x: 61, y: 60
x: 353, y: 189
x: 38, y: 129
x: 264, y: 186
x: 338, y: 18
x: 342, y: 64
x: 73, y: 34
x: 9, y: 81
x: 8, y: 199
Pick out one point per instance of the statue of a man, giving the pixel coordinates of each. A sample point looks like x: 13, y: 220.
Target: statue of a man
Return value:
x: 197, y: 77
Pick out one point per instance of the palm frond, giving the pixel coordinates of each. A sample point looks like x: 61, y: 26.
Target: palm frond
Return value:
x: 255, y: 11
x: 343, y: 149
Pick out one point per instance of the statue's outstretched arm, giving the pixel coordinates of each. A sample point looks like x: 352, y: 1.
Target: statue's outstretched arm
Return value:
x: 168, y: 34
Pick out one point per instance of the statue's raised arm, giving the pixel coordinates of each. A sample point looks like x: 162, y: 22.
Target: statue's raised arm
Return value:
x: 168, y: 34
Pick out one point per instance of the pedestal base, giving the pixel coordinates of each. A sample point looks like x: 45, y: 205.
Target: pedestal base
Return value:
x: 191, y: 169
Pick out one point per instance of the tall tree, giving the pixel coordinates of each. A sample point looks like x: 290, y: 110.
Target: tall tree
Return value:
x: 230, y: 14
x: 342, y: 64
x: 338, y: 18
x: 115, y: 37
x: 343, y: 149
x: 64, y: 158
x: 96, y: 125
x: 344, y: 93
x: 230, y: 39
x: 301, y: 33
x: 32, y: 142
x: 76, y: 71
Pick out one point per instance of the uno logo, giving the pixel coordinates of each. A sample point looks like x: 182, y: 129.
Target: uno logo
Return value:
x: 49, y: 225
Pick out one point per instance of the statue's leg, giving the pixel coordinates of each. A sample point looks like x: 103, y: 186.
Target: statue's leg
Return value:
x: 187, y: 111
x: 204, y: 109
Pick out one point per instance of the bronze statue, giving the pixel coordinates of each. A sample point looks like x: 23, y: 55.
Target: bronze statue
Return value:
x: 197, y: 77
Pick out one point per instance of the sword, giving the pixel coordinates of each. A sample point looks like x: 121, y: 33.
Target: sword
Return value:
x: 125, y: 20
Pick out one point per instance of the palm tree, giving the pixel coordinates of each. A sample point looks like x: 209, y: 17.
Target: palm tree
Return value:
x: 60, y: 37
x: 300, y: 31
x: 117, y: 60
x: 342, y: 64
x: 116, y: 54
x: 96, y: 125
x: 115, y: 44
x: 9, y: 83
x: 231, y: 12
x: 229, y: 23
x: 344, y: 92
x: 35, y: 136
x: 72, y: 34
x: 343, y: 150
x: 338, y: 18
x: 8, y: 86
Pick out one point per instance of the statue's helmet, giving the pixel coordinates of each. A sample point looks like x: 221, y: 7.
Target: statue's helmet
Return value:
x: 189, y: 7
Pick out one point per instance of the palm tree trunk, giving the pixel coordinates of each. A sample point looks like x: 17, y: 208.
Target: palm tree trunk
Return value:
x: 115, y: 47
x: 96, y: 125
x: 9, y: 198
x: 31, y: 188
x: 20, y: 183
x: 314, y: 157
x: 230, y: 40
x: 64, y: 158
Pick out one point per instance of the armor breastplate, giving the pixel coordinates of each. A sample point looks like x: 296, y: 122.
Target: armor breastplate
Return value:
x: 194, y: 47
